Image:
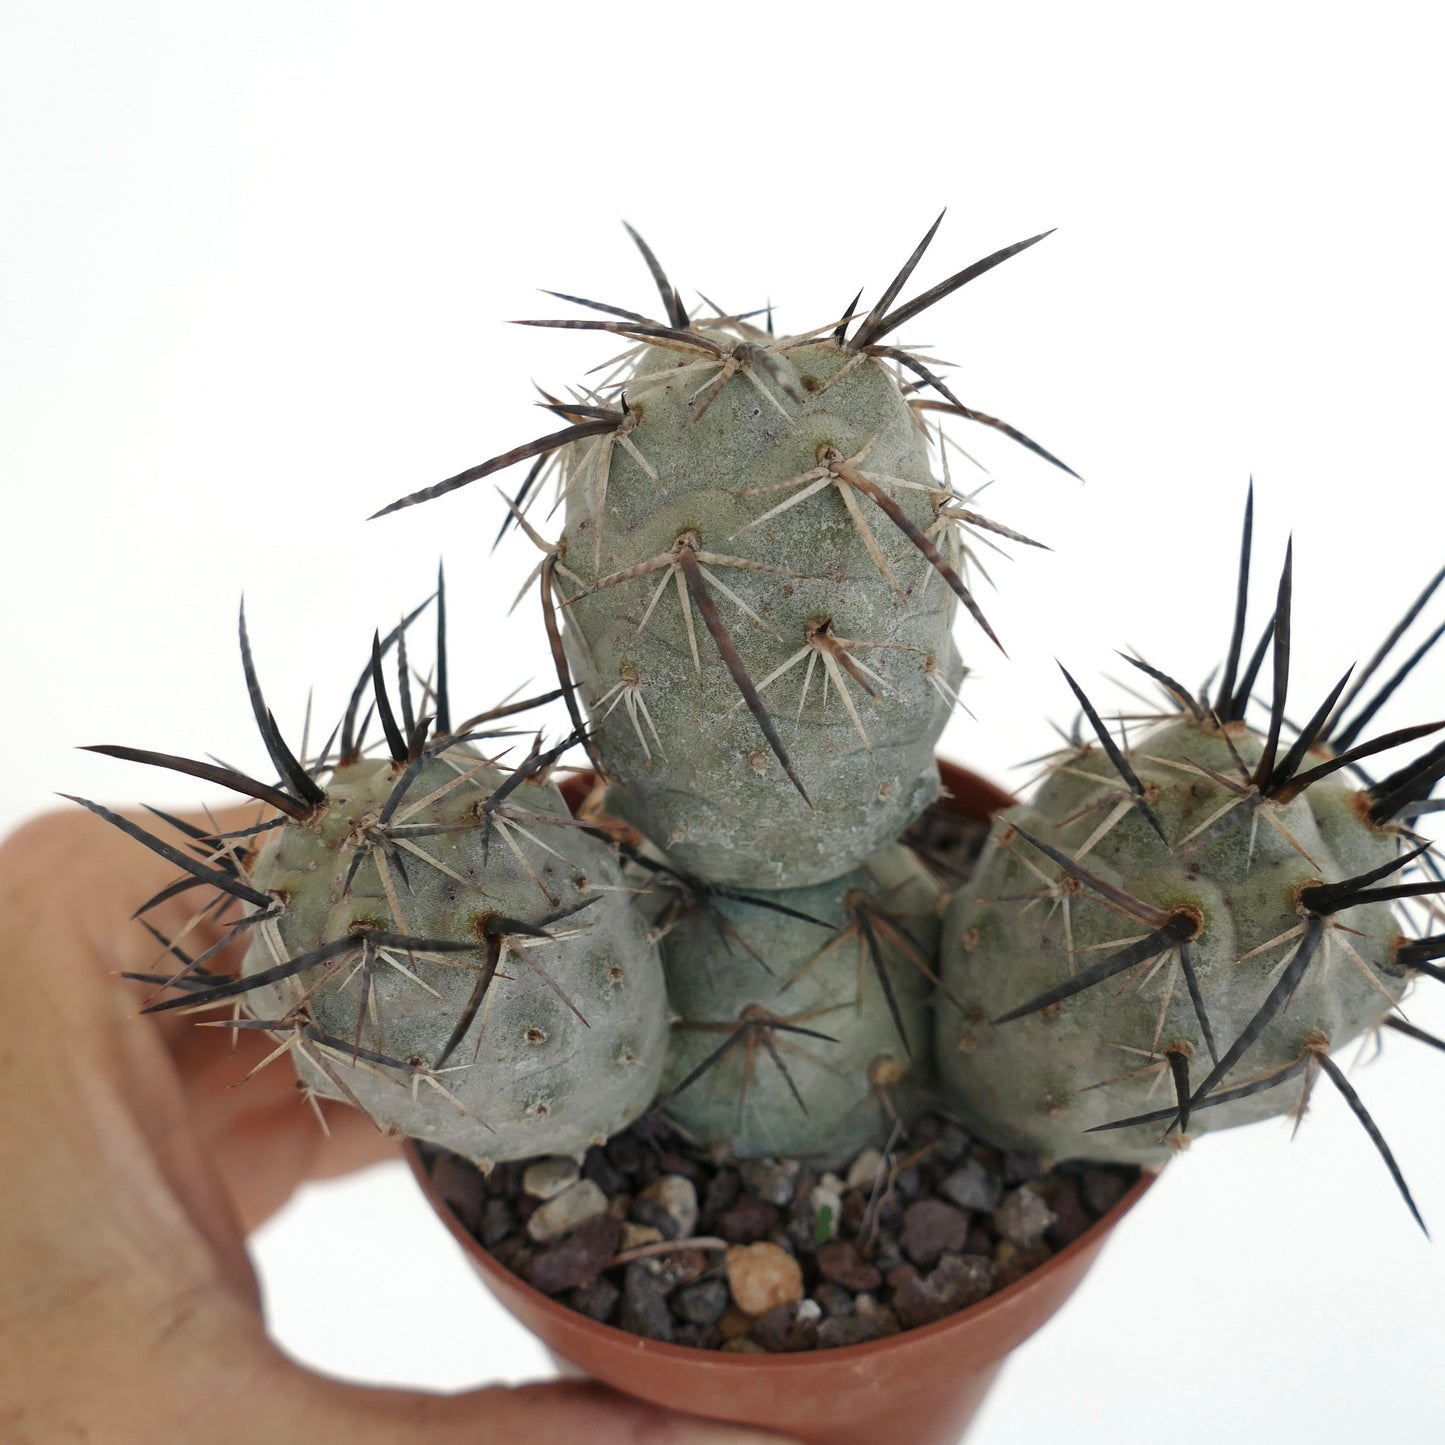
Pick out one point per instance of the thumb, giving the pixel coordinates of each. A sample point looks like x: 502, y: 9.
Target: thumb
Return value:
x: 502, y: 1415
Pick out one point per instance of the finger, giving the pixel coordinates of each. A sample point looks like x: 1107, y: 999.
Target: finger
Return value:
x: 265, y: 1140
x: 84, y: 880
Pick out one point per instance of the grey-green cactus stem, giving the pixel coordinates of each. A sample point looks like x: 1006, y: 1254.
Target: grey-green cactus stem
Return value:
x: 1173, y: 937
x: 854, y: 669
x: 545, y: 1035
x: 431, y: 938
x: 747, y: 574
x: 796, y: 1039
x: 1024, y: 925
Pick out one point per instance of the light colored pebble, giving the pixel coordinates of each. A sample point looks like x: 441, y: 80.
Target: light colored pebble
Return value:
x: 761, y: 1277
x: 865, y: 1169
x: 1023, y: 1217
x: 972, y: 1186
x: 636, y: 1235
x: 563, y: 1212
x: 771, y: 1180
x: 549, y: 1177
x: 677, y: 1195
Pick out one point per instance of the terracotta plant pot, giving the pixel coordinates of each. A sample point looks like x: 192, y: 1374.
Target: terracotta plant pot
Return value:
x: 920, y: 1387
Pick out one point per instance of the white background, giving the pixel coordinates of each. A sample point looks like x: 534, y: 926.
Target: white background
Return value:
x: 255, y: 268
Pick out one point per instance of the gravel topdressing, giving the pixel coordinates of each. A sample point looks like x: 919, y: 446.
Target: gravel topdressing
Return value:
x: 650, y: 1235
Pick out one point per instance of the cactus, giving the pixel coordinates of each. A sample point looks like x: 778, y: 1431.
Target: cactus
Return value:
x: 753, y: 523
x: 431, y: 938
x: 804, y: 1027
x: 747, y: 496
x: 1205, y: 910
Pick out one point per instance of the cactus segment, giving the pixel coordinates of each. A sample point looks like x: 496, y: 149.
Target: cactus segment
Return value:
x: 801, y: 601
x: 431, y: 937
x: 485, y: 953
x: 1174, y: 935
x: 752, y: 524
x: 804, y: 1026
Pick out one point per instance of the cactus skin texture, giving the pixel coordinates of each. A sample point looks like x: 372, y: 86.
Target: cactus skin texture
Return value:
x: 568, y: 1044
x: 805, y: 1061
x: 757, y: 578
x: 1173, y: 937
x: 1028, y: 1082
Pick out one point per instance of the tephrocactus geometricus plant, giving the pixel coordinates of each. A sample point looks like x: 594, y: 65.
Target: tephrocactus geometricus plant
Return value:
x: 432, y: 938
x: 1204, y: 906
x: 753, y: 522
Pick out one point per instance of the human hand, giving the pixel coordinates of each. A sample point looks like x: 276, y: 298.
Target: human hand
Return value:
x: 131, y: 1171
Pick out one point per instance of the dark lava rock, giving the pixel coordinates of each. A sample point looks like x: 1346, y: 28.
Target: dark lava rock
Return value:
x: 497, y: 1222
x: 514, y: 1253
x: 1103, y: 1189
x: 932, y: 1228
x: 626, y: 1154
x: 855, y: 1206
x: 603, y: 1173
x: 802, y: 1228
x: 644, y: 1305
x: 462, y: 1186
x: 1071, y: 1218
x: 575, y: 1262
x: 596, y: 1301
x: 721, y: 1192
x: 839, y: 1262
x: 958, y: 1281
x: 787, y: 1329
x: 703, y: 1303
x: 981, y: 1239
x: 749, y: 1220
